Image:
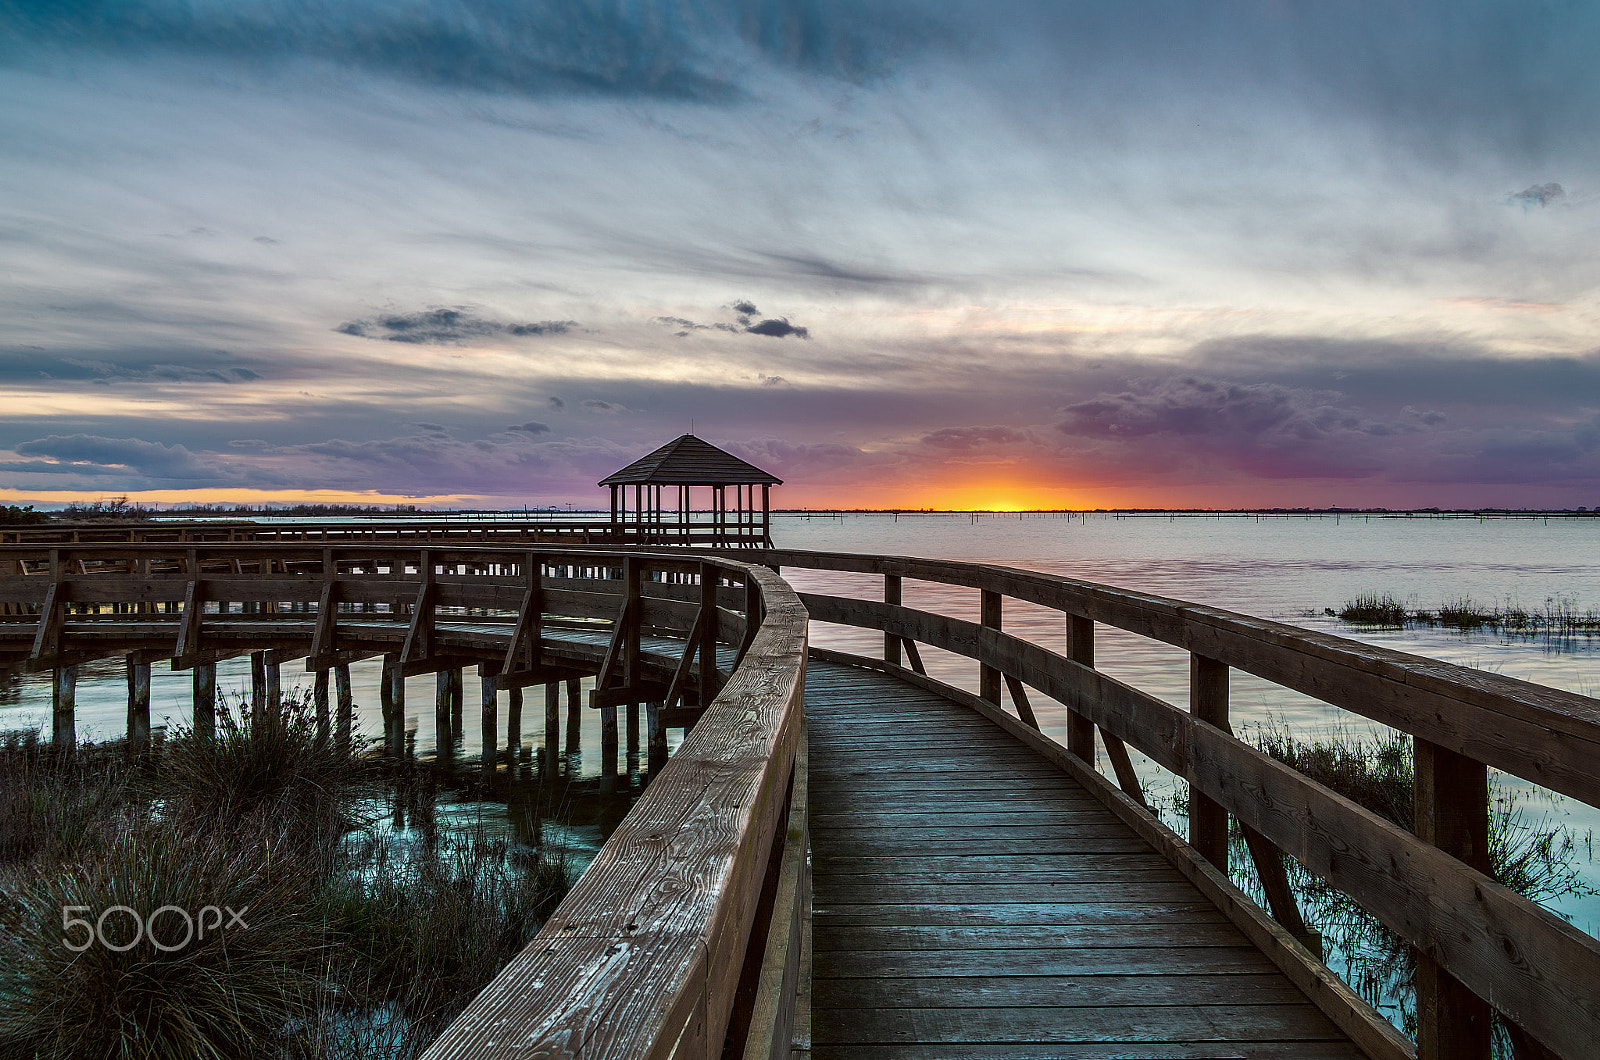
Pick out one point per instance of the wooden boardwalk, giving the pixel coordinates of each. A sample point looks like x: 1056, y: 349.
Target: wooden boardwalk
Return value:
x: 971, y: 900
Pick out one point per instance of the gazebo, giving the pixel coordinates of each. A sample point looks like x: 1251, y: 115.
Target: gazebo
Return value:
x: 686, y: 462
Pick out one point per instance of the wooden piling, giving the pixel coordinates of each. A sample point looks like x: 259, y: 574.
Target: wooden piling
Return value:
x: 488, y: 683
x: 204, y: 704
x: 393, y: 695
x: 633, y: 729
x: 552, y: 725
x: 319, y: 701
x: 138, y: 704
x: 258, y: 688
x: 574, y: 714
x: 608, y: 749
x: 513, y: 720
x: 343, y: 704
x: 443, y: 733
x: 657, y: 736
x: 64, y: 710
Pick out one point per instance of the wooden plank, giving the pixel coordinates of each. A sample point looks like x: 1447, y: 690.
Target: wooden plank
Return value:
x: 1146, y: 963
x: 1092, y: 1051
x: 1039, y: 989
x: 1082, y: 940
x: 1221, y: 1023
x: 979, y: 914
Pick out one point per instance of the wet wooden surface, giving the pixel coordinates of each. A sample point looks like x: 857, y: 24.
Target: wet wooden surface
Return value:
x: 971, y: 900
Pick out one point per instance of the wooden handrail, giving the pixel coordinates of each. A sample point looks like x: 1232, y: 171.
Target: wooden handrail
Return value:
x: 645, y: 955
x: 1483, y: 942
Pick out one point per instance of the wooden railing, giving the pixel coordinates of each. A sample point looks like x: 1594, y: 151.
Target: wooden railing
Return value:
x: 567, y: 529
x: 1478, y: 943
x: 648, y: 954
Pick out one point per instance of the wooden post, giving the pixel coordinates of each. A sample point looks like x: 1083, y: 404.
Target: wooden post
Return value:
x: 394, y: 704
x: 988, y: 676
x: 443, y: 733
x: 574, y: 714
x: 458, y: 697
x: 766, y: 515
x: 1208, y: 701
x: 709, y: 577
x: 891, y: 641
x: 138, y: 704
x: 271, y: 669
x: 319, y: 701
x: 633, y: 730
x: 514, y: 719
x: 205, y: 701
x: 63, y: 702
x: 1452, y: 813
x: 1080, y: 649
x: 552, y: 724
x: 344, y: 706
x: 657, y: 736
x: 488, y: 676
x: 258, y: 688
x: 608, y: 749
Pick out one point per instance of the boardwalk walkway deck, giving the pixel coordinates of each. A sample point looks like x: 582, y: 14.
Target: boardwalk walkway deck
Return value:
x: 971, y: 900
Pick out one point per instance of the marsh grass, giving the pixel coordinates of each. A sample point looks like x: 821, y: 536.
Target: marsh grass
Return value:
x: 358, y: 942
x: 1559, y: 617
x: 1536, y: 859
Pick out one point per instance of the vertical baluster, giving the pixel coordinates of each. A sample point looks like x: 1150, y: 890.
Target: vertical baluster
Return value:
x: 891, y: 641
x: 1208, y: 701
x: 1080, y: 649
x: 989, y: 616
x: 1452, y: 813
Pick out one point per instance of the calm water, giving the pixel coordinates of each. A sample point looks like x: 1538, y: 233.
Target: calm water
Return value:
x: 1284, y: 568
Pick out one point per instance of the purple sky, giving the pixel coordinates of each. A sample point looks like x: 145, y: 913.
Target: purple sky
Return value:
x: 902, y: 254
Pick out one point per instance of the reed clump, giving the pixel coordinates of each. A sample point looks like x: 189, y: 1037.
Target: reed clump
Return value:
x: 1537, y: 859
x: 1559, y: 617
x: 242, y: 901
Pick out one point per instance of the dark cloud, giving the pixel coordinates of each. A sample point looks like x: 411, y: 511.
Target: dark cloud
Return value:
x: 135, y: 462
x: 557, y: 404
x: 424, y: 425
x: 608, y: 407
x: 659, y: 48
x: 778, y: 328
x: 745, y: 307
x: 1539, y: 195
x: 445, y: 326
x: 971, y: 437
x: 531, y: 427
x: 267, y: 241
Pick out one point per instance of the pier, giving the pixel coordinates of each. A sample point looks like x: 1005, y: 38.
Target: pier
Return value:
x: 849, y: 857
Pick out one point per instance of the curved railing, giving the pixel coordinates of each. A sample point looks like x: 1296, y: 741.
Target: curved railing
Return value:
x: 647, y: 955
x: 649, y: 949
x: 1479, y: 944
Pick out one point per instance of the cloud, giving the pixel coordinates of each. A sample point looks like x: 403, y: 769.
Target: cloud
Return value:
x: 608, y: 407
x: 443, y: 326
x: 531, y: 427
x: 557, y: 404
x: 1538, y: 195
x: 778, y: 328
x: 658, y: 48
x: 972, y: 437
x: 745, y: 308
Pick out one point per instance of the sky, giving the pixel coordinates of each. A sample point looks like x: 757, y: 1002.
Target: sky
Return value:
x: 1067, y: 253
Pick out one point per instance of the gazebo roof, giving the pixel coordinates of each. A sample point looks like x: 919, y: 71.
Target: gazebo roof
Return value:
x: 690, y: 461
